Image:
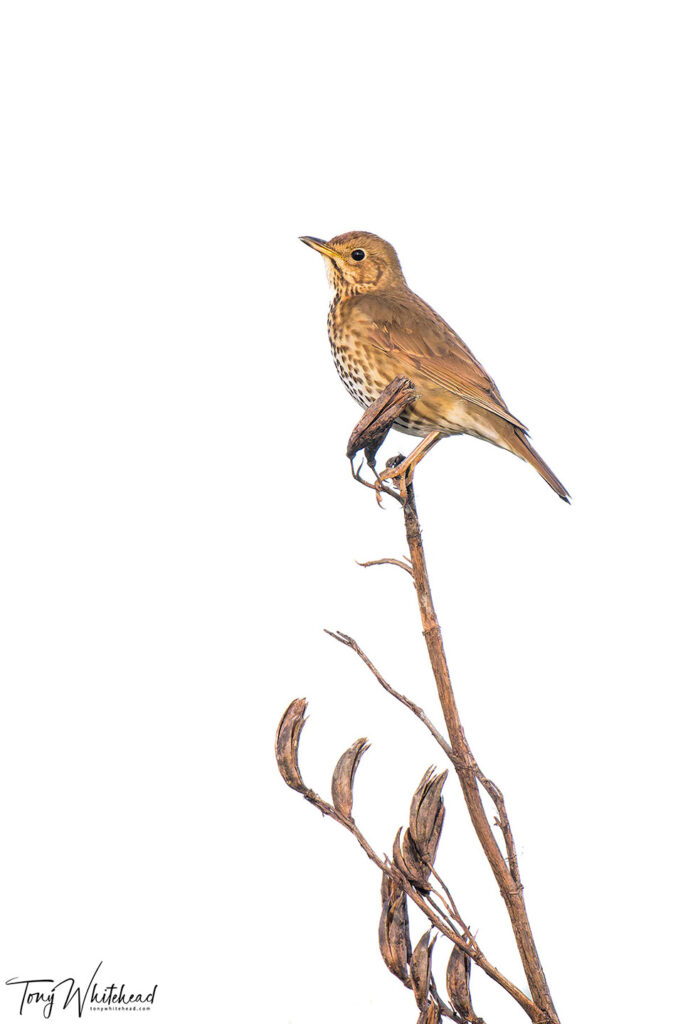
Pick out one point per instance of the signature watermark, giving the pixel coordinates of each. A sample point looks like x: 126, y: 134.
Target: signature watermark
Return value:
x: 45, y: 995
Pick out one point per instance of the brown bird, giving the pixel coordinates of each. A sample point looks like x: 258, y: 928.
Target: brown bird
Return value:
x: 379, y: 329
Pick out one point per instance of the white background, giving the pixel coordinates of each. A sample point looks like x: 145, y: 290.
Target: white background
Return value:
x: 178, y: 522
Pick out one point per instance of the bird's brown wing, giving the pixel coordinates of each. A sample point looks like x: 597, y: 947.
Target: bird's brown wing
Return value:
x: 416, y: 336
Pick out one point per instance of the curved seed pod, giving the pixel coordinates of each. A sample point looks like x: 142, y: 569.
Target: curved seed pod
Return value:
x: 435, y: 835
x: 385, y: 947
x: 398, y: 856
x: 458, y: 983
x: 394, y: 937
x: 413, y: 873
x: 421, y: 970
x: 287, y: 743
x: 427, y: 814
x: 418, y: 869
x: 343, y: 776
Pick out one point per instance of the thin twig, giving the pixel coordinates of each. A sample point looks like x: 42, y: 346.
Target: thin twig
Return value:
x: 348, y: 641
x: 445, y: 914
x: 452, y: 907
x: 388, y: 561
x: 490, y: 786
x: 503, y: 823
x: 446, y: 1010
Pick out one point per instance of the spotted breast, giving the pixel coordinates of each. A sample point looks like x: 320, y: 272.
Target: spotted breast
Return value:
x: 365, y: 374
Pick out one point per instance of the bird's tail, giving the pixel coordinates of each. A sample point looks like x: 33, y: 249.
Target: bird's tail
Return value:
x: 523, y: 449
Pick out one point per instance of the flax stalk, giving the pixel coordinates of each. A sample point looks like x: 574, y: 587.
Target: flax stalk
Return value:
x: 469, y: 774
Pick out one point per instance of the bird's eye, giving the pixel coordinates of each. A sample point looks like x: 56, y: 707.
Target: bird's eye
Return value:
x: 358, y: 255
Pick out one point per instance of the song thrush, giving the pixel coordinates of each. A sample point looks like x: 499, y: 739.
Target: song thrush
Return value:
x: 379, y: 329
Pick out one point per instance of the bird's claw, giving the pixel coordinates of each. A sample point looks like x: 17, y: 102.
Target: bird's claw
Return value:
x: 378, y: 485
x: 400, y: 471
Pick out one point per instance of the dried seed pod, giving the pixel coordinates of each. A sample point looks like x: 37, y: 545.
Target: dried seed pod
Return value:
x: 418, y: 869
x: 427, y: 814
x: 394, y: 937
x: 287, y: 743
x: 343, y: 776
x: 398, y: 856
x: 409, y: 862
x: 414, y: 872
x: 385, y: 947
x: 421, y: 970
x: 458, y: 983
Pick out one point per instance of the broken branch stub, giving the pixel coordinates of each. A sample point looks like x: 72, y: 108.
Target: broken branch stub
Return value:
x: 343, y: 776
x: 378, y: 419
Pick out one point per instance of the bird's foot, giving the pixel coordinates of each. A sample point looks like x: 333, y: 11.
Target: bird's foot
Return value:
x: 378, y: 487
x: 399, y: 470
x: 402, y: 469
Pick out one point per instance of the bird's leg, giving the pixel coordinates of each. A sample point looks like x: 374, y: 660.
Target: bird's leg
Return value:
x: 403, y: 473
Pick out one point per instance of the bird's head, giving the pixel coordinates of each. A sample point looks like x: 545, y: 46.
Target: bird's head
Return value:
x: 358, y: 261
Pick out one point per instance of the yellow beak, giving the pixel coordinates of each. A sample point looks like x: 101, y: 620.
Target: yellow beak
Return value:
x: 320, y: 246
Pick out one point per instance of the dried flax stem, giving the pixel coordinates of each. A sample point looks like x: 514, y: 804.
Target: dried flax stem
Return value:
x: 469, y: 775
